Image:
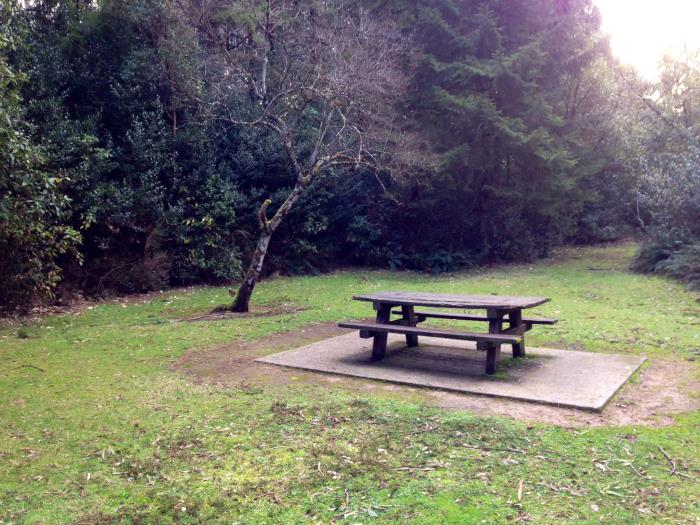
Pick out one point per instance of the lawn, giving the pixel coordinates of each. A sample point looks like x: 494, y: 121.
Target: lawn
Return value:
x: 98, y: 426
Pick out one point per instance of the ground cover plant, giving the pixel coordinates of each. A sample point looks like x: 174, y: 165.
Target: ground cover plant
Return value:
x: 100, y: 426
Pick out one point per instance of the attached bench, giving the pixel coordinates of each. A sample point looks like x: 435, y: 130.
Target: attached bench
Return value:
x: 492, y: 341
x: 422, y: 316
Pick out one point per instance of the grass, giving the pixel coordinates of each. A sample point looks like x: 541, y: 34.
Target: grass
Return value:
x: 97, y: 427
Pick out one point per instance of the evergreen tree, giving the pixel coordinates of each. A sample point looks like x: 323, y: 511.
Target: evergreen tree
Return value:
x: 489, y: 96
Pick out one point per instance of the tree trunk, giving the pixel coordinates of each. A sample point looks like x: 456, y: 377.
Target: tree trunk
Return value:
x: 253, y: 273
x: 266, y: 229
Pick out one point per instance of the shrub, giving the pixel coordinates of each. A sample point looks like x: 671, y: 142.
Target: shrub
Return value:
x: 680, y: 261
x: 33, y: 235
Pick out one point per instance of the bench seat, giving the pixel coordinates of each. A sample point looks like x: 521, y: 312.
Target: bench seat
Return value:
x: 422, y: 316
x: 368, y: 329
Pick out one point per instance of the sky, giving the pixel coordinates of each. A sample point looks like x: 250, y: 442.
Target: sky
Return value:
x: 642, y: 31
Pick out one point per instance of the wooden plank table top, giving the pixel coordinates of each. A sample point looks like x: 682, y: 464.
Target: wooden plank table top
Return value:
x: 438, y: 300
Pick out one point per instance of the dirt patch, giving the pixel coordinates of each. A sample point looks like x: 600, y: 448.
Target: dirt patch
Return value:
x: 659, y: 391
x: 234, y: 364
x: 255, y: 311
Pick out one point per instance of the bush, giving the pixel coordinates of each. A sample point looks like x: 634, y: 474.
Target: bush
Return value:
x: 680, y: 261
x: 33, y: 235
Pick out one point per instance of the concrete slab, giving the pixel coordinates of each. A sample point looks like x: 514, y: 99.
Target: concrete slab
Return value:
x: 557, y: 377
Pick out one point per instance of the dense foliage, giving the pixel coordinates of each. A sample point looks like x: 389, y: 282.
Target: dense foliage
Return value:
x: 670, y: 186
x: 494, y: 92
x: 33, y: 235
x: 119, y: 176
x: 155, y: 201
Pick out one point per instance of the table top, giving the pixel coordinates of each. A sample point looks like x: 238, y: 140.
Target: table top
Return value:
x: 438, y: 300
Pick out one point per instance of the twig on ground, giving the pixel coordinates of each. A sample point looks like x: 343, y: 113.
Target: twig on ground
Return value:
x: 671, y: 462
x: 493, y: 449
x: 29, y: 366
x: 426, y: 468
x: 638, y: 472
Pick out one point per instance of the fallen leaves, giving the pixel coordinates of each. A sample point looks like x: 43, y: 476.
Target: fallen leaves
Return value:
x: 562, y: 488
x: 602, y: 466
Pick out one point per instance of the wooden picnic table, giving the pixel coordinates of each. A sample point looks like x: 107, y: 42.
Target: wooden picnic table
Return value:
x: 499, y: 311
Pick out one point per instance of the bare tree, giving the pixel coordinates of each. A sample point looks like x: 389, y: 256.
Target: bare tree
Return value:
x: 321, y: 77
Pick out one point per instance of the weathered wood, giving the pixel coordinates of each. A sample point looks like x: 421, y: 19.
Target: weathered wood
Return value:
x: 384, y: 328
x: 493, y: 356
x: 539, y: 320
x: 453, y: 300
x: 499, y: 309
x: 516, y: 330
x: 493, y: 350
x: 515, y: 321
x: 379, y: 342
x: 409, y: 317
x: 476, y: 317
x: 401, y: 322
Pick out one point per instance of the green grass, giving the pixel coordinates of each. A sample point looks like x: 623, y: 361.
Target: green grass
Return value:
x: 96, y: 426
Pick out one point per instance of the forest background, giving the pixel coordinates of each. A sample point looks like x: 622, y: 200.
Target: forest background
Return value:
x: 128, y: 162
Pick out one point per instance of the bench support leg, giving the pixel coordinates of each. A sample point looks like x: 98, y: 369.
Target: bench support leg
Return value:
x: 515, y: 318
x: 493, y: 355
x: 410, y: 318
x: 493, y: 351
x: 379, y: 342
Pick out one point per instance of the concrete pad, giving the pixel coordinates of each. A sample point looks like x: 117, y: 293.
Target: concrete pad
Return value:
x: 557, y: 377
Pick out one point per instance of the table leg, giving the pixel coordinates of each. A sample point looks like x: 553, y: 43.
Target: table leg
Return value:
x: 379, y: 341
x: 493, y: 351
x: 410, y: 317
x: 515, y: 319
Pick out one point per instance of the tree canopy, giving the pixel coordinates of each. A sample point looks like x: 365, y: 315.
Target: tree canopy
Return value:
x: 148, y: 143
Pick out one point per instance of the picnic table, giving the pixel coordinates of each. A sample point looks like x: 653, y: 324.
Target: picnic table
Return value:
x: 500, y: 311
